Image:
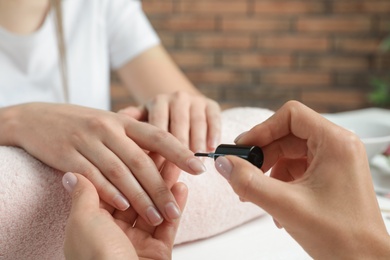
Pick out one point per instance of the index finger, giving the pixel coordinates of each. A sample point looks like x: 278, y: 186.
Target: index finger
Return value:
x: 291, y: 131
x: 162, y: 142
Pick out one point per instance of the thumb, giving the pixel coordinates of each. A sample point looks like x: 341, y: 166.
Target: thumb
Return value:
x: 250, y: 184
x: 83, y: 193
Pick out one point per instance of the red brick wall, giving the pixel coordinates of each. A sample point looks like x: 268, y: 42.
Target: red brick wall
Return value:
x: 265, y: 52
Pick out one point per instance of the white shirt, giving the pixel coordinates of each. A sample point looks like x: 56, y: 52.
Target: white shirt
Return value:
x: 100, y: 35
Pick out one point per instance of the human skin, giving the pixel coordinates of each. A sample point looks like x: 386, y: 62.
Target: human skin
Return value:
x: 169, y: 100
x: 319, y: 190
x: 109, y: 148
x: 97, y: 231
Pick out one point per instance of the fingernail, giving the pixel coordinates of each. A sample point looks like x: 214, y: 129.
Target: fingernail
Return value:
x: 69, y: 181
x: 172, y: 210
x: 196, y: 165
x: 224, y: 167
x: 214, y: 143
x: 153, y: 216
x: 121, y: 202
x: 239, y: 136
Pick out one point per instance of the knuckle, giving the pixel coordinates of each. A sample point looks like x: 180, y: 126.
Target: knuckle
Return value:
x: 160, y: 136
x: 242, y: 185
x: 157, y: 99
x: 77, y: 194
x: 77, y: 137
x: 351, y: 143
x: 160, y: 191
x: 115, y: 171
x: 99, y: 124
x: 138, y: 161
x: 88, y: 173
x: 139, y: 197
x: 156, y: 117
x: 292, y: 104
x: 180, y: 95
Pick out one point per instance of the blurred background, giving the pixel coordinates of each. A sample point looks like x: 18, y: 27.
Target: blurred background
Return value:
x: 329, y: 54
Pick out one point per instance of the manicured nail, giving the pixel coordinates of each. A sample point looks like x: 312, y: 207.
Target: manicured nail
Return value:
x: 69, y: 181
x: 214, y: 143
x: 172, y: 210
x: 239, y: 136
x: 121, y: 202
x: 153, y: 216
x: 224, y: 167
x: 196, y: 165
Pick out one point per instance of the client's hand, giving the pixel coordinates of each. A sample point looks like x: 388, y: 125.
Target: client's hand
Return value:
x: 320, y: 188
x: 193, y: 118
x: 96, y: 230
x: 115, y: 152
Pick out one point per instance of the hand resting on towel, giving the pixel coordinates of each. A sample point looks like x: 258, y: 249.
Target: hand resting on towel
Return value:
x: 35, y: 206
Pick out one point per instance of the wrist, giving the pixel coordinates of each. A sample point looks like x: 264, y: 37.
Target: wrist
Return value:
x: 379, y: 247
x: 375, y: 245
x: 9, y: 124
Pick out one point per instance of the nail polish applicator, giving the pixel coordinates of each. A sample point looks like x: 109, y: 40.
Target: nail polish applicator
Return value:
x: 253, y: 154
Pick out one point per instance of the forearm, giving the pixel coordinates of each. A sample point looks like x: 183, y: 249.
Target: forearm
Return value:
x: 153, y: 72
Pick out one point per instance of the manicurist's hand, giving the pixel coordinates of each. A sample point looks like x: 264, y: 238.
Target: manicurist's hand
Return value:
x: 107, y: 148
x: 96, y: 230
x: 320, y: 187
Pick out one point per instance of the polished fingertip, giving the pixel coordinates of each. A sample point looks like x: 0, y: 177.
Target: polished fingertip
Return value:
x: 69, y: 181
x: 240, y: 136
x: 213, y: 143
x: 154, y: 217
x: 121, y: 202
x: 172, y: 211
x: 196, y: 165
x: 224, y: 167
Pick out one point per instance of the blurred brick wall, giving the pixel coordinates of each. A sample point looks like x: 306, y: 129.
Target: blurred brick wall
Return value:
x: 265, y: 52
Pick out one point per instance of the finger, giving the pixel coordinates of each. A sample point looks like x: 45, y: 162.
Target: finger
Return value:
x: 213, y: 113
x: 289, y: 169
x: 167, y: 230
x: 155, y: 140
x: 128, y: 216
x: 293, y: 118
x: 179, y: 121
x: 138, y: 113
x: 250, y: 184
x: 159, y: 112
x: 170, y: 173
x: 142, y: 185
x: 285, y: 147
x: 88, y: 227
x: 158, y: 160
x: 107, y: 191
x: 83, y: 193
x: 198, y: 130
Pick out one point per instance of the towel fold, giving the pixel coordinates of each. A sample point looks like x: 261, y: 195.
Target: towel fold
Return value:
x: 34, y: 206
